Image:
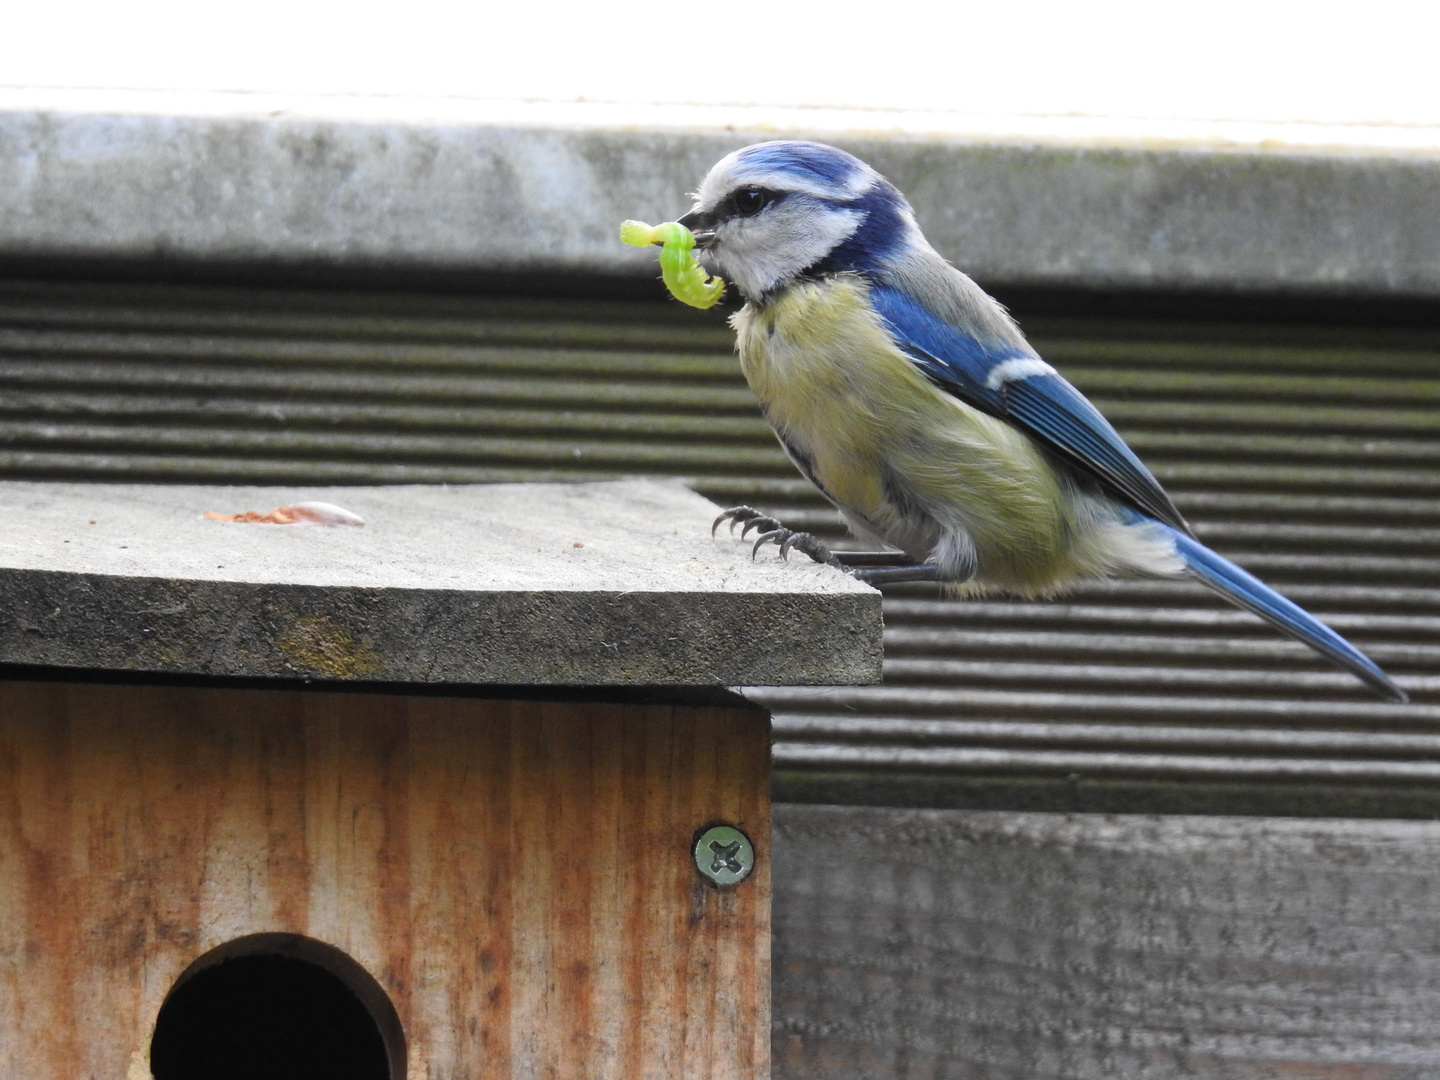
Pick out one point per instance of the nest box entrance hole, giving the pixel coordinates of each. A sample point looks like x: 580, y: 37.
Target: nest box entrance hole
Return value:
x: 280, y: 1006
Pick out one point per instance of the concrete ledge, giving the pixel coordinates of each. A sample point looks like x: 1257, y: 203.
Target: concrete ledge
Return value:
x: 468, y: 196
x: 597, y: 584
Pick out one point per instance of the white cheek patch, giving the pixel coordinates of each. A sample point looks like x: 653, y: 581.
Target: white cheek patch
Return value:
x: 770, y: 249
x: 1021, y: 367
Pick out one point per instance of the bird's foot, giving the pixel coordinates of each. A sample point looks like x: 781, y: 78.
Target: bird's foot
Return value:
x: 872, y: 567
x: 772, y: 532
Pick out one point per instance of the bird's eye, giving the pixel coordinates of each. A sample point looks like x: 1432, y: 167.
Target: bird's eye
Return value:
x: 750, y: 201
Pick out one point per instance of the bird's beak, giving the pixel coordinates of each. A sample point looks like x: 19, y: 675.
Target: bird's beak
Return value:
x: 696, y: 223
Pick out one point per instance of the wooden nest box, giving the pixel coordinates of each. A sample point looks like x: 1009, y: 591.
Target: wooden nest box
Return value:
x: 455, y: 794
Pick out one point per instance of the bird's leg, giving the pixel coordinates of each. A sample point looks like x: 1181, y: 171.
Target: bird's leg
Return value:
x: 873, y: 567
x: 880, y: 575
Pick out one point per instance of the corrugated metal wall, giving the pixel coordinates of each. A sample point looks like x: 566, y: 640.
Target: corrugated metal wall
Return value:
x: 1308, y: 455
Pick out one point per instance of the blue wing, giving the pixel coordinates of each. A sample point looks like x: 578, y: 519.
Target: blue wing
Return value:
x: 1044, y: 404
x: 1036, y: 399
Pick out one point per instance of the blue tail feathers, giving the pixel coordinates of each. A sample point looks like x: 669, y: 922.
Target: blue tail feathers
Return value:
x: 1252, y: 594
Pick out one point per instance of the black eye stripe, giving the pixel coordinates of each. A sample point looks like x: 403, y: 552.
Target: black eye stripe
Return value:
x: 749, y: 201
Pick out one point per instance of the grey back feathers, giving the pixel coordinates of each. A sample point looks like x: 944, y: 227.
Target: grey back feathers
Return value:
x: 921, y: 271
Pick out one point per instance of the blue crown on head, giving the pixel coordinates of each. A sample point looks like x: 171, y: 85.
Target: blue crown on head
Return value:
x: 806, y: 161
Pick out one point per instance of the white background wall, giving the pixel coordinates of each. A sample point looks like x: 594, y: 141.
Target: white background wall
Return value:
x: 1156, y: 70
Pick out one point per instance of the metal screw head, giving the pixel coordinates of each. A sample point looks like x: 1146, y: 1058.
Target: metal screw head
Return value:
x: 724, y: 855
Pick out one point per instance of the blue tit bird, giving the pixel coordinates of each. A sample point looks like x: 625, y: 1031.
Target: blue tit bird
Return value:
x: 911, y: 399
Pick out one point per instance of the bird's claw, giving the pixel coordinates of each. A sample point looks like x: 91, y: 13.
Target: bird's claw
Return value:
x: 808, y: 543
x: 768, y: 524
x: 777, y: 535
x: 749, y: 516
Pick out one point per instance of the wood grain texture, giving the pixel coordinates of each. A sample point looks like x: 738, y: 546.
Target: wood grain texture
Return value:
x: 516, y: 875
x: 1024, y: 946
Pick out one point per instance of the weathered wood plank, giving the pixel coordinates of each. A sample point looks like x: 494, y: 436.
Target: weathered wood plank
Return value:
x: 943, y: 943
x: 516, y: 875
x: 616, y: 584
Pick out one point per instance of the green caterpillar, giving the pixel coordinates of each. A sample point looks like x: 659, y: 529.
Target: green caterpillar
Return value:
x: 683, y: 275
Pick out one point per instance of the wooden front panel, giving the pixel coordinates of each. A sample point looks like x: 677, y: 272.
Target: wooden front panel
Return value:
x: 516, y: 875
